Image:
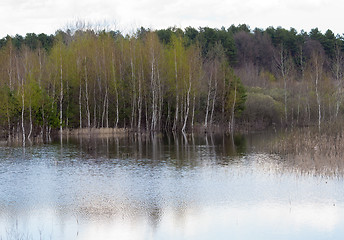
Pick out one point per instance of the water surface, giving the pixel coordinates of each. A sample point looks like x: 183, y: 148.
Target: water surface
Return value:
x: 206, y: 187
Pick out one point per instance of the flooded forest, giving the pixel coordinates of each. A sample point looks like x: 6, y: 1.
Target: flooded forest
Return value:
x: 90, y: 143
x: 171, y: 79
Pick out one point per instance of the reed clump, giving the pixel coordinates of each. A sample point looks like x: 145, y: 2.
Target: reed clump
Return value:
x: 310, y: 150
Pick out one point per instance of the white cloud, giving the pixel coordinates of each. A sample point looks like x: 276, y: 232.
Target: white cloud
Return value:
x: 47, y: 16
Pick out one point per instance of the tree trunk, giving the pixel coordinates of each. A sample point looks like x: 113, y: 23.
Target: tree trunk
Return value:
x: 86, y: 95
x: 233, y: 109
x: 8, y: 122
x: 147, y: 118
x: 283, y: 70
x: 95, y: 106
x: 167, y: 125
x: 177, y: 96
x: 30, y: 112
x: 22, y: 114
x: 214, y: 100
x: 317, y: 76
x: 10, y: 67
x: 154, y: 101
x: 133, y: 107
x: 208, y: 101
x: 116, y: 91
x: 161, y: 101
x: 187, y: 105
x: 117, y: 110
x: 107, y: 111
x: 139, y: 101
x: 61, y: 94
x: 193, y: 111
x: 80, y: 106
x: 104, y: 106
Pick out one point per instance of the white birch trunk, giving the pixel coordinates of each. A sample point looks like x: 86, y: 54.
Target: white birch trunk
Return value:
x: 80, y: 106
x: 61, y: 94
x: 317, y: 76
x: 214, y: 100
x: 95, y: 106
x: 107, y: 111
x: 30, y: 131
x: 187, y: 105
x: 193, y: 111
x: 139, y: 101
x: 208, y: 101
x: 22, y: 113
x: 177, y: 96
x: 87, y: 100
x: 233, y: 110
x: 104, y: 106
x: 133, y: 108
x: 117, y: 109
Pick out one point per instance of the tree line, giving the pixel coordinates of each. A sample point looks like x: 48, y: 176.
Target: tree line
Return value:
x: 89, y: 79
x: 169, y: 79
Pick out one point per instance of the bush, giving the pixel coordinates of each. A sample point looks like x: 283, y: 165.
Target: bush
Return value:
x: 262, y: 109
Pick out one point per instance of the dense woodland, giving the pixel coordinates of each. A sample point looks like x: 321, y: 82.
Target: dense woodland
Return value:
x: 170, y: 80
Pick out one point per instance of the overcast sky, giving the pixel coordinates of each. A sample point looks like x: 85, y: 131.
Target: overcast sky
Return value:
x: 24, y: 16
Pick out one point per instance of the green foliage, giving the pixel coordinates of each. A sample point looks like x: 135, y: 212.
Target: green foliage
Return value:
x: 9, y: 106
x: 31, y: 41
x: 268, y: 76
x: 46, y: 41
x: 163, y: 71
x: 208, y: 37
x: 191, y: 35
x: 236, y: 94
x: 18, y: 41
x: 261, y: 108
x: 240, y: 28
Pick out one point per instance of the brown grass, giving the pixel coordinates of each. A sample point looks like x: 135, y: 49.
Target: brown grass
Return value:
x: 311, y: 151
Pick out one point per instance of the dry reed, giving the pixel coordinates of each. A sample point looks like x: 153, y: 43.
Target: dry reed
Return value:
x: 311, y: 151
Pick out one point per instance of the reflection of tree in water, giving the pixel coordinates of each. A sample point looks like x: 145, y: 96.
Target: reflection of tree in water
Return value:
x: 144, y: 179
x: 175, y: 153
x: 176, y: 150
x: 302, y: 151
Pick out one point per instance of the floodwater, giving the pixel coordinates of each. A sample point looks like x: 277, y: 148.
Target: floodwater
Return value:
x: 205, y: 187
